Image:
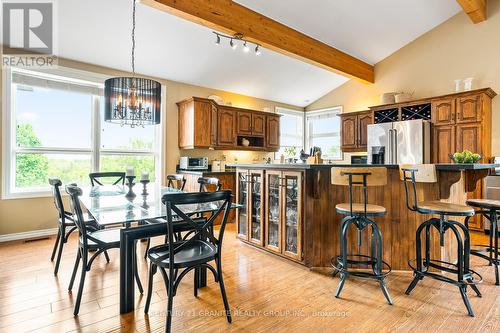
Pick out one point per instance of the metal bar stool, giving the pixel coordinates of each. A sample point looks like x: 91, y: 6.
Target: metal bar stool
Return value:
x: 426, y: 173
x: 358, y: 215
x: 176, y: 181
x: 489, y: 209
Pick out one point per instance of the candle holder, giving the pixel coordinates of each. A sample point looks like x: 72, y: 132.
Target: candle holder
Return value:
x: 130, y: 184
x: 144, y: 183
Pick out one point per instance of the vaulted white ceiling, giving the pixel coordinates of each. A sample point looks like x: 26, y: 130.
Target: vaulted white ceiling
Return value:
x: 98, y: 32
x: 366, y: 29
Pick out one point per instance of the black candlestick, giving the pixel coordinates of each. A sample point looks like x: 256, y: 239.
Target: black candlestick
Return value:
x: 144, y: 184
x: 130, y: 185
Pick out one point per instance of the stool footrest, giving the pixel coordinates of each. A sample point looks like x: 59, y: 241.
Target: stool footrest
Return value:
x: 480, y: 249
x: 361, y: 260
x: 470, y: 277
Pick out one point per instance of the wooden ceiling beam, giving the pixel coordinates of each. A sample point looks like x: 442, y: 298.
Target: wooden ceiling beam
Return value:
x: 229, y: 17
x: 475, y: 9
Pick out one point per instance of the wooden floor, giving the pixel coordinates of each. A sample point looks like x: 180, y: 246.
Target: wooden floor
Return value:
x: 266, y: 294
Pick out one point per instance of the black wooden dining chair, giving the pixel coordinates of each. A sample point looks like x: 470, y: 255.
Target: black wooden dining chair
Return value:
x: 91, y: 239
x: 115, y: 178
x: 193, y: 253
x: 204, y: 181
x: 65, y: 221
x: 176, y: 181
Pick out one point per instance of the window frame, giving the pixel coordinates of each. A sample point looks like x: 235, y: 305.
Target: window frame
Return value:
x: 9, y: 148
x: 284, y: 112
x: 336, y: 111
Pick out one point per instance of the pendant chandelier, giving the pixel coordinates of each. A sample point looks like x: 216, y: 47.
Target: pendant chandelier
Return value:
x: 132, y: 101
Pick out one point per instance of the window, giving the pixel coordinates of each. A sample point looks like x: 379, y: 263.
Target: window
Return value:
x: 291, y: 131
x: 323, y: 130
x: 54, y: 128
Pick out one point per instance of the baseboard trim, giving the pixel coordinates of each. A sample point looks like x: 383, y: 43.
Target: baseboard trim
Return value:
x: 28, y: 235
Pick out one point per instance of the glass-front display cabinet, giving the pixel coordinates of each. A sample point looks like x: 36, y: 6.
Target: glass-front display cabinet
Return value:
x: 250, y: 219
x: 242, y: 180
x: 284, y: 213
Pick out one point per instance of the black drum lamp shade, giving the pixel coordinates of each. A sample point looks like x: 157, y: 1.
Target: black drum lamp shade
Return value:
x: 132, y: 101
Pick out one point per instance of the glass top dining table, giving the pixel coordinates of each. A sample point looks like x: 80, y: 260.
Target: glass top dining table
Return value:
x: 110, y: 205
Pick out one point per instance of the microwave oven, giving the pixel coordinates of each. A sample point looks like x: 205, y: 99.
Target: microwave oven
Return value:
x: 193, y: 163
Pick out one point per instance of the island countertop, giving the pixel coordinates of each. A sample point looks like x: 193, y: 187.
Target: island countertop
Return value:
x: 301, y: 166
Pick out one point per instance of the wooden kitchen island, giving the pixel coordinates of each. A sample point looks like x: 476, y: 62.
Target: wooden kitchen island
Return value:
x: 290, y: 210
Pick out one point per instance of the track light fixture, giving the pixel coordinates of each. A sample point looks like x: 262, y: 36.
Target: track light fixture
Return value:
x: 234, y: 40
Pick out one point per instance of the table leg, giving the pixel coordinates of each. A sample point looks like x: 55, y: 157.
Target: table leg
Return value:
x: 127, y: 288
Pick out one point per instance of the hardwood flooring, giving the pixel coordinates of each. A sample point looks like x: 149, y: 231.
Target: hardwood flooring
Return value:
x: 266, y: 294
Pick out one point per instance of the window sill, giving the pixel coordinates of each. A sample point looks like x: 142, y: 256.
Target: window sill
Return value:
x: 26, y: 195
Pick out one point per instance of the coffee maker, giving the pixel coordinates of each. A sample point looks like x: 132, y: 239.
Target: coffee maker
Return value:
x: 378, y: 155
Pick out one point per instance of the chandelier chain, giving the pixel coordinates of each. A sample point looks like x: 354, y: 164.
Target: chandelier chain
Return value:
x: 133, y: 40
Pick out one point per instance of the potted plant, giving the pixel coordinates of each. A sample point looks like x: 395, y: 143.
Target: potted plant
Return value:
x: 291, y: 153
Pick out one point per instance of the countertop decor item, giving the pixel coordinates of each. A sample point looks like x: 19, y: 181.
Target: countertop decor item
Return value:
x: 388, y: 98
x: 403, y: 97
x: 466, y: 157
x: 216, y: 99
x: 132, y: 101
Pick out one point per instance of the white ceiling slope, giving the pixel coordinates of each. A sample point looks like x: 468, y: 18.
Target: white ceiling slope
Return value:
x: 366, y: 29
x: 98, y: 32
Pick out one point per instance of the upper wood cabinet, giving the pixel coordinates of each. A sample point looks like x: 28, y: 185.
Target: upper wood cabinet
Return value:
x: 197, y: 123
x: 469, y: 109
x: 443, y: 111
x: 250, y: 124
x: 244, y: 123
x: 226, y: 134
x: 273, y: 132
x: 205, y: 124
x: 469, y: 137
x: 364, y: 120
x: 259, y: 124
x: 354, y: 130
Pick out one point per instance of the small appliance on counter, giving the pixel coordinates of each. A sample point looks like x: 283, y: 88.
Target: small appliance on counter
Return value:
x: 378, y: 155
x: 193, y: 163
x: 357, y: 159
x: 217, y: 166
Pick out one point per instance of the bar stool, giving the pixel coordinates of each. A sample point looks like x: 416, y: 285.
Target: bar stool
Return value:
x: 211, y: 181
x: 176, y: 181
x: 489, y: 209
x: 426, y: 173
x: 358, y: 214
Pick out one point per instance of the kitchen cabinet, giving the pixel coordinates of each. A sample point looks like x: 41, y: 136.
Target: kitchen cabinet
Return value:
x: 273, y: 132
x: 226, y: 123
x: 283, y: 220
x: 197, y: 123
x: 205, y: 124
x: 469, y: 137
x: 250, y: 124
x: 444, y: 143
x: 244, y: 123
x: 443, y: 111
x: 354, y: 126
x: 469, y: 109
x: 250, y: 218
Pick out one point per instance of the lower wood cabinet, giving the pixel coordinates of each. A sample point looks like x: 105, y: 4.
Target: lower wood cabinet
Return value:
x: 444, y: 143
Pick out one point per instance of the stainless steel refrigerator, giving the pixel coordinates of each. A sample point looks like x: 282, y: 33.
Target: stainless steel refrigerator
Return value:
x: 405, y: 142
